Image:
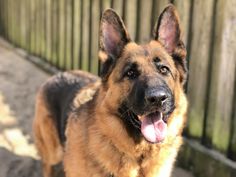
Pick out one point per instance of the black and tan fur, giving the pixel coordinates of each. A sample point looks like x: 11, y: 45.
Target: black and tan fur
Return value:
x: 93, y: 124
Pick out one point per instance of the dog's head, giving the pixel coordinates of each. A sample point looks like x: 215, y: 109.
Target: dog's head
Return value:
x: 142, y: 81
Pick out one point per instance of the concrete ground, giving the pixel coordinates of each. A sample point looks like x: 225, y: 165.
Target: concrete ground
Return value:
x: 19, y: 81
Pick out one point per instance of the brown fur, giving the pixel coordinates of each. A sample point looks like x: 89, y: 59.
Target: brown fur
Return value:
x: 46, y: 138
x: 98, y: 144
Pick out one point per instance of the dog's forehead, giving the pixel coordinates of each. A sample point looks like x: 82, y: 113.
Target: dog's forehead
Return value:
x: 151, y: 50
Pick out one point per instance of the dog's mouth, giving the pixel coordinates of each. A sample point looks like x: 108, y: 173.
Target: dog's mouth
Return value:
x: 153, y: 127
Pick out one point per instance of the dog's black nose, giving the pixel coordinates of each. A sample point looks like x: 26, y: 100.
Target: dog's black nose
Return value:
x: 156, y: 96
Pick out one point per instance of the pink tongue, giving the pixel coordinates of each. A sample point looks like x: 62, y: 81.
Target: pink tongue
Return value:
x: 154, y: 129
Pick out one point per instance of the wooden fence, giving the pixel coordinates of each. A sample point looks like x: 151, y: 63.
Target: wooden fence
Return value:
x: 65, y: 33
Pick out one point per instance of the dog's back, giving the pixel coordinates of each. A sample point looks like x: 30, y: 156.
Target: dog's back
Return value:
x: 54, y: 103
x: 59, y: 93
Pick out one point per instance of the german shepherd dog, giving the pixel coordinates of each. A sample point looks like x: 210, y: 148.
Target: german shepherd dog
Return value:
x: 128, y: 122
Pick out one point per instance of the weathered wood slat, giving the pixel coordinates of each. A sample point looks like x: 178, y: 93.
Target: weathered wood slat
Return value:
x: 117, y: 5
x: 44, y: 31
x: 41, y: 29
x: 18, y: 21
x: 232, y: 147
x: 23, y: 24
x: 77, y: 31
x: 11, y: 22
x: 222, y: 76
x: 85, y: 35
x: 53, y: 30
x: 72, y: 31
x: 61, y: 34
x: 94, y: 41
x: 1, y: 18
x: 199, y: 62
x: 144, y: 21
x: 130, y: 17
x: 67, y: 35
x: 8, y: 20
x: 48, y: 29
x: 28, y: 26
x: 36, y: 28
x: 105, y: 4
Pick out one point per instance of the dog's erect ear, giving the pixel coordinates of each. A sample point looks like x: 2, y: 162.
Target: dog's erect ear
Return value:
x: 168, y: 33
x: 113, y: 38
x: 113, y: 34
x: 168, y: 29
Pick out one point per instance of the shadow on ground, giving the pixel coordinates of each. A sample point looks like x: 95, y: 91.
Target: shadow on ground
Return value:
x: 13, y: 165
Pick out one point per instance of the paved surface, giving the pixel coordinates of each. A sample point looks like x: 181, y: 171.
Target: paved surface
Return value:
x: 19, y: 81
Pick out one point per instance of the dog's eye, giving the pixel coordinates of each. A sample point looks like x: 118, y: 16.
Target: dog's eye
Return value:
x: 131, y: 74
x: 164, y: 70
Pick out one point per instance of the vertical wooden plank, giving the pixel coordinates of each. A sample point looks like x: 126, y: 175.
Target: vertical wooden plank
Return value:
x: 8, y: 21
x: 1, y: 11
x: 77, y: 31
x: 95, y: 21
x: 57, y: 33
x: 68, y: 34
x: 1, y: 18
x: 222, y: 83
x: 44, y: 25
x: 8, y: 29
x: 232, y: 147
x: 28, y: 29
x: 37, y: 27
x: 144, y: 20
x: 81, y: 34
x: 23, y: 23
x: 32, y: 26
x: 85, y: 36
x: 4, y: 18
x: 105, y: 4
x: 62, y: 35
x: 117, y: 5
x: 16, y: 19
x: 200, y: 47
x: 90, y: 37
x: 53, y: 31
x: 41, y: 27
x: 48, y: 30
x: 130, y: 17
x: 72, y: 3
